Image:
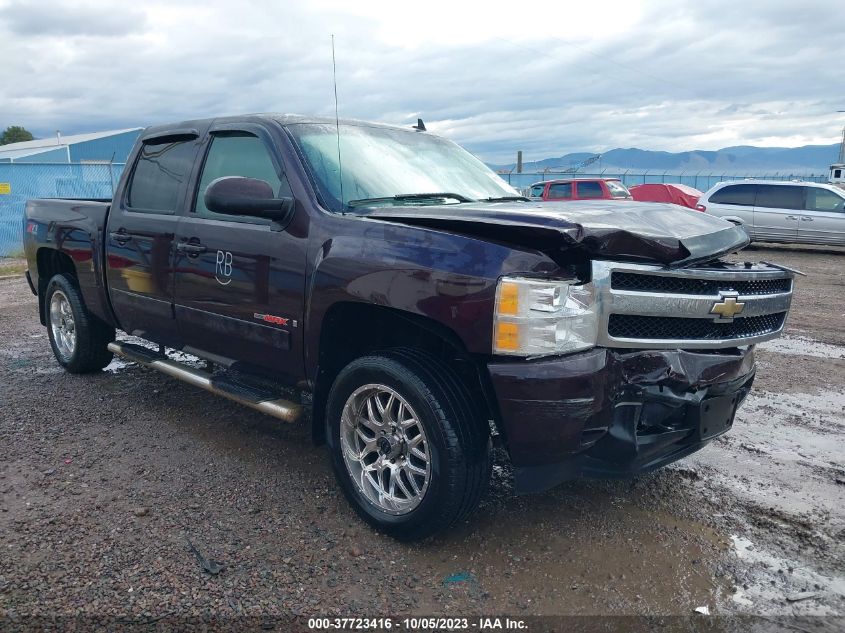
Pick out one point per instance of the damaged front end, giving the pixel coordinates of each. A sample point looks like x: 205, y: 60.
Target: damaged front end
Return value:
x: 673, y: 363
x: 606, y: 413
x: 606, y: 229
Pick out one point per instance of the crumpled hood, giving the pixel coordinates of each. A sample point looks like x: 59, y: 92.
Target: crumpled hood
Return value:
x: 612, y: 229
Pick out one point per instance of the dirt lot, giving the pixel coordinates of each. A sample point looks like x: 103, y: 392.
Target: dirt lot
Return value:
x: 104, y: 479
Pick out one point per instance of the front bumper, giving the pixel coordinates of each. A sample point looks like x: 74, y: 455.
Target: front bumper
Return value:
x: 608, y: 413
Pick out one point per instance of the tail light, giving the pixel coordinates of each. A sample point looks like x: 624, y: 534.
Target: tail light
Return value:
x: 700, y: 207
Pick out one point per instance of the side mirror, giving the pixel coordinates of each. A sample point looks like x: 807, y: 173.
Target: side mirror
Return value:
x: 236, y: 195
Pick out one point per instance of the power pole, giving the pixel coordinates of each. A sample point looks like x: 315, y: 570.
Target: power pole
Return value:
x: 842, y: 147
x: 842, y: 144
x: 519, y: 161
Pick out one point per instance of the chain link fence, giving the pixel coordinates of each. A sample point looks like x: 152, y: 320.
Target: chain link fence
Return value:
x: 20, y: 182
x: 699, y: 179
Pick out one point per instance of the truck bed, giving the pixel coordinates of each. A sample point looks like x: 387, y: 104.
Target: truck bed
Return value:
x: 60, y: 229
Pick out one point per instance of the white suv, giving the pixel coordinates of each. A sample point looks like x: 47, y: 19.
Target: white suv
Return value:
x: 780, y: 211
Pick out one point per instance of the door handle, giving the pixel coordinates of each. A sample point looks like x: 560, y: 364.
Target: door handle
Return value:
x: 792, y: 217
x: 121, y: 237
x: 192, y: 250
x: 806, y: 218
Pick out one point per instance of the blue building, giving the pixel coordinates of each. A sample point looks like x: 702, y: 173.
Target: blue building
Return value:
x: 108, y: 147
x: 78, y: 166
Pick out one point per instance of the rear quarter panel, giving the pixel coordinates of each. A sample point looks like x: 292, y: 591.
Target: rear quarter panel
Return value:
x: 74, y: 229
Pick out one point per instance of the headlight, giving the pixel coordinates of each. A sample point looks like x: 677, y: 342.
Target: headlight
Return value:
x: 540, y: 317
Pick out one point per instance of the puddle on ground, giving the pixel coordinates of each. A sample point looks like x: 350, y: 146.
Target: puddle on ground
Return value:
x: 803, y: 346
x: 780, y: 581
x: 784, y: 451
x: 783, y: 461
x: 583, y: 540
x: 117, y: 364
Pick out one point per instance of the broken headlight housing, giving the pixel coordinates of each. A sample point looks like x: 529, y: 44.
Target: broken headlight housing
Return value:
x: 540, y: 317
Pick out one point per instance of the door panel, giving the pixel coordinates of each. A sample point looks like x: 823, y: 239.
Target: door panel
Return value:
x: 776, y: 225
x: 139, y: 239
x: 239, y: 280
x: 777, y: 210
x: 822, y: 227
x: 823, y: 220
x: 140, y: 279
x: 242, y: 297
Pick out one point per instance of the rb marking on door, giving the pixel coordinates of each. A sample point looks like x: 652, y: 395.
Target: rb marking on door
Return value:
x: 223, y: 268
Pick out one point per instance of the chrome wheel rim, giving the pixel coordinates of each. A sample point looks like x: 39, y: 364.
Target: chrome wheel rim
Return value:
x: 62, y: 324
x: 385, y: 449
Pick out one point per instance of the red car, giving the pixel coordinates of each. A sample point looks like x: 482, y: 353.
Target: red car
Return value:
x: 675, y: 193
x: 579, y: 189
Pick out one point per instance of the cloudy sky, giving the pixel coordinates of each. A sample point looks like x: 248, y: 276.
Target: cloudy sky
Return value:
x: 544, y: 77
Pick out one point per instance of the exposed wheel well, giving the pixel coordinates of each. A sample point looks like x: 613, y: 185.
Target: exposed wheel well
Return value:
x: 351, y: 330
x: 51, y: 262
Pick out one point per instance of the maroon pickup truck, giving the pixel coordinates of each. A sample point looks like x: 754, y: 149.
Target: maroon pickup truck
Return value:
x: 430, y: 310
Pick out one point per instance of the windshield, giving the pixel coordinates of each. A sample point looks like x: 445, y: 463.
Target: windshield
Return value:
x: 617, y: 189
x: 380, y: 164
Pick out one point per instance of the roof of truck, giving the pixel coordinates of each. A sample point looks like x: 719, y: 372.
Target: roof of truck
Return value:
x: 283, y: 119
x: 574, y: 179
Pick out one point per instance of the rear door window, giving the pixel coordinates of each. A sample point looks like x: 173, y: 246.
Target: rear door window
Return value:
x: 560, y: 190
x: 590, y: 190
x: 741, y: 195
x: 160, y: 175
x: 819, y: 199
x: 780, y: 197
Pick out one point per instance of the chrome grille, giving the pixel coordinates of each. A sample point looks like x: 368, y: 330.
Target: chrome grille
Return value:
x: 710, y: 307
x: 690, y: 286
x: 649, y: 328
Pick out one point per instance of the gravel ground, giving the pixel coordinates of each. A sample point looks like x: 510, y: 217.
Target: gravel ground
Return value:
x: 106, y: 479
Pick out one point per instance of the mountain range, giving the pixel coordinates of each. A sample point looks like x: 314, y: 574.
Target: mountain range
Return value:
x: 745, y: 159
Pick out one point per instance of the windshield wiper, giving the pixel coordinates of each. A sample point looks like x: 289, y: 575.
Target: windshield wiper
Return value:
x: 507, y: 199
x: 409, y: 197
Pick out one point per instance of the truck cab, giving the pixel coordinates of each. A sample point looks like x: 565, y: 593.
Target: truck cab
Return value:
x: 579, y: 189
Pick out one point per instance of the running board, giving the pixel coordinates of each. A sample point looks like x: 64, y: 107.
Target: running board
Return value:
x: 256, y: 398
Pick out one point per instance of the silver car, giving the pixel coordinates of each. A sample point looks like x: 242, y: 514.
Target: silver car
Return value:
x: 781, y: 211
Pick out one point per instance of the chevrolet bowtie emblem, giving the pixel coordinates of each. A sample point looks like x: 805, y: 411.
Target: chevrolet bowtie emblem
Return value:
x: 726, y: 309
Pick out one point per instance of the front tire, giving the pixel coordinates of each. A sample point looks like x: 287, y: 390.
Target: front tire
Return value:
x: 78, y: 338
x: 408, y: 446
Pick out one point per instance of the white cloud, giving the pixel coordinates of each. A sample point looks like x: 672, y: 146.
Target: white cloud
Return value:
x: 544, y: 77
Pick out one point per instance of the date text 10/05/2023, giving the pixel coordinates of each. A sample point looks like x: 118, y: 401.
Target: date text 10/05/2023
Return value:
x: 419, y: 624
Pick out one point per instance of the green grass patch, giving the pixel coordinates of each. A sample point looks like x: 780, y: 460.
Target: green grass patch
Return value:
x: 10, y: 266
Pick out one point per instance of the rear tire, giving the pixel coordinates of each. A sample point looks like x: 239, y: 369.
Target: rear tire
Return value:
x: 409, y: 448
x: 78, y: 338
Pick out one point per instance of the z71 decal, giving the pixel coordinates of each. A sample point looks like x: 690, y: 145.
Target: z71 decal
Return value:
x: 275, y: 320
